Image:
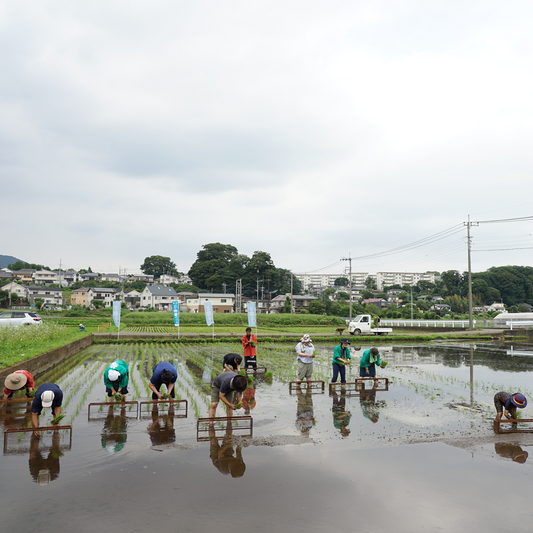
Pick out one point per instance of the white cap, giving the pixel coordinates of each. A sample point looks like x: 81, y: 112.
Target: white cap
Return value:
x: 47, y: 398
x: 113, y: 375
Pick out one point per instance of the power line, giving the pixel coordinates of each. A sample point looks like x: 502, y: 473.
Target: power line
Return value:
x: 501, y: 220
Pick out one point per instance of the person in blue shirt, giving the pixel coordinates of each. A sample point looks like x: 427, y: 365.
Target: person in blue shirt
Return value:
x: 47, y: 395
x: 164, y: 373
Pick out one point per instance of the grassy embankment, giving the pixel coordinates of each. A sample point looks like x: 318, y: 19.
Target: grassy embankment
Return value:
x: 20, y: 343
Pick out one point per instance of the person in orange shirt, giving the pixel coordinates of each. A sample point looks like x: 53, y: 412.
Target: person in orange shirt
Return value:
x: 249, y: 341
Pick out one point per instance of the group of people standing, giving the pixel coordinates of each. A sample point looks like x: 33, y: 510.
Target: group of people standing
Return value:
x: 305, y: 355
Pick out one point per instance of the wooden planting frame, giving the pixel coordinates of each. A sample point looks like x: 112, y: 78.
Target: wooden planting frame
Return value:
x: 500, y: 431
x: 118, y: 404
x: 355, y: 386
x: 238, y: 423
x: 315, y: 387
x: 11, y: 431
x: 178, y: 413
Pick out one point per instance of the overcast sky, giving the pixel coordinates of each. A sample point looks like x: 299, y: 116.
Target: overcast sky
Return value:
x: 307, y: 129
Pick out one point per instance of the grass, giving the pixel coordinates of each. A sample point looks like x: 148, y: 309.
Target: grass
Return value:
x: 24, y: 342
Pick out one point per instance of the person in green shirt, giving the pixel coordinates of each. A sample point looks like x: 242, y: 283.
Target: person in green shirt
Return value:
x: 116, y: 377
x: 367, y: 365
x: 341, y: 357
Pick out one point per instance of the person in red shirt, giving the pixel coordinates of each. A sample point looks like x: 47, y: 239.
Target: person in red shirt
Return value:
x: 249, y: 341
x: 16, y: 381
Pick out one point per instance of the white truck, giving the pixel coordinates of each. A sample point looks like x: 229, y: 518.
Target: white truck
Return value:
x: 362, y: 324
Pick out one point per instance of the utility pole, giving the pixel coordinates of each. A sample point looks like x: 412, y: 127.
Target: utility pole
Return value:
x: 469, y: 242
x: 238, y: 290
x: 411, y: 304
x: 349, y: 259
x: 224, y: 287
x: 291, y: 293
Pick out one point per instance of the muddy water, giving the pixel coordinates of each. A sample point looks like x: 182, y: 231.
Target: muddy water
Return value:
x: 419, y: 457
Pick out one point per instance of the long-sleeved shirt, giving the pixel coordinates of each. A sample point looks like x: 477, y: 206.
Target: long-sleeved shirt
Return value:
x: 366, y: 359
x: 248, y: 348
x: 341, y: 353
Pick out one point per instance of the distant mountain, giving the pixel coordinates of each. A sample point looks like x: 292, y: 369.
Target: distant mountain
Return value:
x: 7, y: 260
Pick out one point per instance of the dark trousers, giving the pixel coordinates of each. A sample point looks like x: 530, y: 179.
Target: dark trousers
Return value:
x: 371, y: 371
x: 250, y: 361
x: 339, y: 369
x: 158, y: 387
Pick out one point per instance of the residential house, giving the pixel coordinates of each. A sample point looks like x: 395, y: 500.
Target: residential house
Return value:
x: 106, y: 295
x: 167, y: 279
x: 52, y: 296
x: 222, y: 303
x: 5, y: 275
x: 146, y: 278
x: 158, y: 296
x: 14, y: 287
x: 116, y: 278
x: 89, y: 276
x: 25, y: 274
x: 45, y: 277
x: 380, y: 303
x: 132, y: 298
x: 80, y: 296
x: 302, y: 302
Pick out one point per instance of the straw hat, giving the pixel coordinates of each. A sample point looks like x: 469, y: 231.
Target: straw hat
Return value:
x: 15, y: 381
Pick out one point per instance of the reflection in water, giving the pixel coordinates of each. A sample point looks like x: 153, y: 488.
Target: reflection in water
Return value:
x: 305, y: 417
x: 223, y: 456
x: 114, y: 434
x: 161, y: 430
x: 248, y: 400
x: 16, y: 415
x: 341, y: 417
x: 369, y: 405
x: 511, y: 451
x: 44, y: 469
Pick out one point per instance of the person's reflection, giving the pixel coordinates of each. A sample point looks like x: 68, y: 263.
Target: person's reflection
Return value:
x: 114, y: 434
x: 369, y: 406
x: 248, y: 400
x: 305, y: 417
x: 511, y: 451
x: 341, y: 417
x: 44, y: 469
x: 161, y: 430
x: 222, y: 454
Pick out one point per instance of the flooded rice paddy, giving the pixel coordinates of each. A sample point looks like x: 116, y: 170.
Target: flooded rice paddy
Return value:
x: 421, y: 456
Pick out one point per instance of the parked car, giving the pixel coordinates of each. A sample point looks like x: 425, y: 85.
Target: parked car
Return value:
x: 20, y: 318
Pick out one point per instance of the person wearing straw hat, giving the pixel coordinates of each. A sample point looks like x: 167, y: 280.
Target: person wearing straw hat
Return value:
x: 116, y: 377
x: 507, y: 403
x: 305, y: 355
x: 20, y: 379
x: 47, y: 395
x: 341, y: 358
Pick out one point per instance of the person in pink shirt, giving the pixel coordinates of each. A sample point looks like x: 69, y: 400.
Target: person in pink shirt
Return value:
x: 16, y: 381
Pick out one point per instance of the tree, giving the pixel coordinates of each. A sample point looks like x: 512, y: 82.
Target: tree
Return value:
x: 20, y: 265
x: 342, y: 296
x: 316, y: 307
x: 38, y: 302
x: 367, y: 294
x: 341, y: 282
x: 370, y: 283
x: 287, y: 305
x: 210, y: 269
x: 98, y: 304
x: 14, y: 297
x: 156, y: 265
